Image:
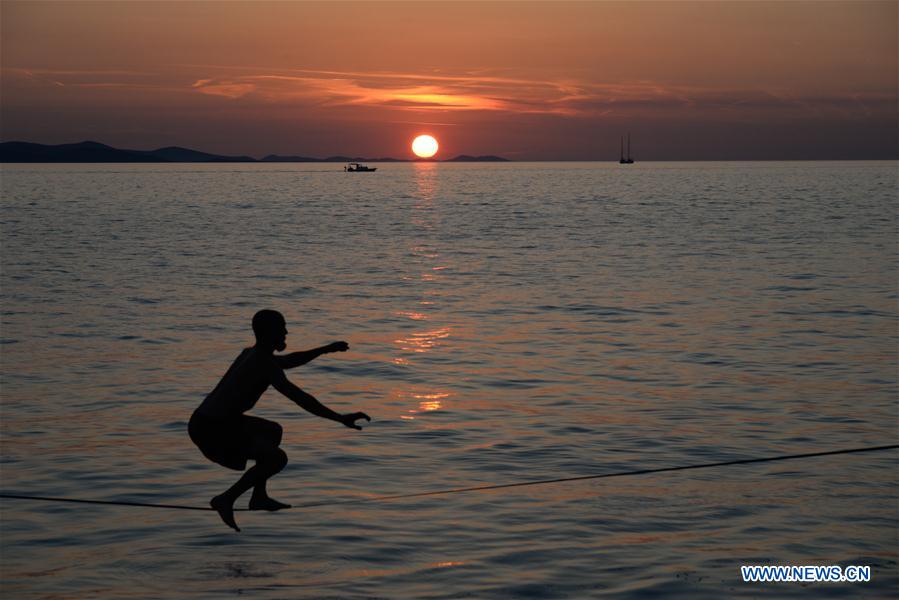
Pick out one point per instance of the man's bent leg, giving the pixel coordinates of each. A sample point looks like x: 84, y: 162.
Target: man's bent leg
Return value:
x: 265, y: 438
x: 275, y: 460
x: 269, y: 461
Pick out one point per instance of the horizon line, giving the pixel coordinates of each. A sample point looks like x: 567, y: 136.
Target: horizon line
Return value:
x: 387, y: 159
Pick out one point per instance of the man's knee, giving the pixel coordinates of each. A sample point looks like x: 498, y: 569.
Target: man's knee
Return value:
x: 275, y: 460
x: 277, y: 432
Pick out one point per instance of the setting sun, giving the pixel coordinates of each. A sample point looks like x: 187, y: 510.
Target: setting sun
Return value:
x: 424, y: 146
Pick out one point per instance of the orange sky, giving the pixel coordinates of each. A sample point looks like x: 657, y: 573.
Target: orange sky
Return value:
x: 546, y: 80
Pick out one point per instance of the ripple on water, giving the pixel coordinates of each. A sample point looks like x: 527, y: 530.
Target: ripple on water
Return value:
x: 506, y: 323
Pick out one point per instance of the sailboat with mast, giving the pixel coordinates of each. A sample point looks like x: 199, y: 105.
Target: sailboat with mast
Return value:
x: 628, y: 160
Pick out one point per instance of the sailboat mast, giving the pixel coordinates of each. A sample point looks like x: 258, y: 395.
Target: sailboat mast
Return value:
x: 628, y: 146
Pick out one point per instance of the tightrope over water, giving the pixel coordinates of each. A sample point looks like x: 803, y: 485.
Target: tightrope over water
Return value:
x: 744, y: 461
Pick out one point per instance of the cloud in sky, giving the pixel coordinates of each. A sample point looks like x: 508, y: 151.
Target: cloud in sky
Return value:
x: 393, y: 90
x: 415, y: 92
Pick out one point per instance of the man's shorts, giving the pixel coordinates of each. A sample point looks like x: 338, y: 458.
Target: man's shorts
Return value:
x: 228, y: 441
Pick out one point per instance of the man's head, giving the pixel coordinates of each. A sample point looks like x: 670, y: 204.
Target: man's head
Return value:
x: 270, y: 329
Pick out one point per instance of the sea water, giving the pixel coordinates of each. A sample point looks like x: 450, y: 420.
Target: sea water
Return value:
x: 507, y: 323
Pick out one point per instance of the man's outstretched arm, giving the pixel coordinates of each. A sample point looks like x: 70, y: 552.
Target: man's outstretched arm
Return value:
x: 310, y: 404
x: 295, y: 359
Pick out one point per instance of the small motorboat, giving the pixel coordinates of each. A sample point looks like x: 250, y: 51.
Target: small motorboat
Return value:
x: 357, y: 168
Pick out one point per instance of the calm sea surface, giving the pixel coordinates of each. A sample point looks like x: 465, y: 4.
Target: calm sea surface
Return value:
x: 506, y: 322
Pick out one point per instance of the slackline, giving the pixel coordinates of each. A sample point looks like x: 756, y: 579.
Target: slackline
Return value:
x: 744, y: 461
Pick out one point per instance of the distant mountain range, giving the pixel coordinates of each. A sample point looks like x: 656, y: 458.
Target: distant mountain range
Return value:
x: 94, y: 152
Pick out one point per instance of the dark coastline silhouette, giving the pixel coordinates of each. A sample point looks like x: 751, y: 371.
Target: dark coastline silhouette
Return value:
x: 227, y: 436
x: 95, y: 152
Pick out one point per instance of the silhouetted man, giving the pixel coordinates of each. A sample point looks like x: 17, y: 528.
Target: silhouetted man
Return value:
x: 227, y: 436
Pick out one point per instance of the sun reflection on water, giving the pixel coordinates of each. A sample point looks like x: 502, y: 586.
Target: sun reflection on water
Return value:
x: 428, y: 266
x: 427, y: 402
x: 415, y: 316
x: 424, y: 341
x: 426, y: 180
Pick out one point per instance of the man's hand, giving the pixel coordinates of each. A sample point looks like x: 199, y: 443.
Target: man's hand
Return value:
x: 350, y: 419
x: 337, y: 347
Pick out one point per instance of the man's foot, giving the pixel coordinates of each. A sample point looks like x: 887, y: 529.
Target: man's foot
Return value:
x: 266, y: 504
x: 225, y: 510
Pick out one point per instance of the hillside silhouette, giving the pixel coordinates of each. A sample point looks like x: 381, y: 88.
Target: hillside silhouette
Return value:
x: 95, y: 152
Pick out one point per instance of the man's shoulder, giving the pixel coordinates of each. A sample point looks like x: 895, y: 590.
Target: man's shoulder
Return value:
x: 260, y: 361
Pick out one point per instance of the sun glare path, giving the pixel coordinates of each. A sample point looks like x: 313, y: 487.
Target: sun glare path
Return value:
x: 424, y: 146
